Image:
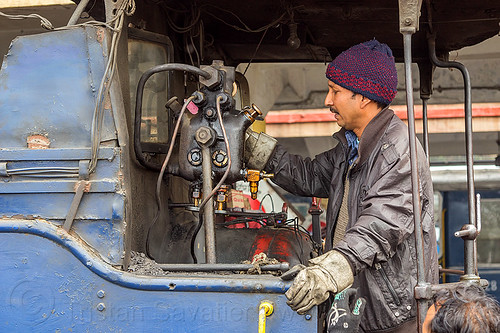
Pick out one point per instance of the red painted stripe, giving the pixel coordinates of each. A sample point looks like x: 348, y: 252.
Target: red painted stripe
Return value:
x: 284, y: 117
x: 450, y: 111
x: 433, y: 112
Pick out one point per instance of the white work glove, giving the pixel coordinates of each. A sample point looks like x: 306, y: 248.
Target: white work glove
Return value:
x: 327, y: 273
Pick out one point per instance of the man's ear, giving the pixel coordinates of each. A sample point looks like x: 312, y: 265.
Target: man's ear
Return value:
x: 364, y: 101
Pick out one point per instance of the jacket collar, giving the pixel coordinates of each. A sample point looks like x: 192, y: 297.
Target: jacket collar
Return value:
x: 373, y: 132
x: 371, y: 135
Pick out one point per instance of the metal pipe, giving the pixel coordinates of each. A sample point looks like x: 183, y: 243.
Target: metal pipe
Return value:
x: 138, y: 104
x: 78, y: 12
x: 425, y: 122
x: 468, y: 243
x: 419, y: 242
x: 208, y: 209
x: 228, y: 150
x: 478, y: 230
x: 284, y: 266
x: 451, y: 271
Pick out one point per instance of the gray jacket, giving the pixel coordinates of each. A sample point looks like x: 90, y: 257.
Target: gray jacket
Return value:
x: 379, y: 242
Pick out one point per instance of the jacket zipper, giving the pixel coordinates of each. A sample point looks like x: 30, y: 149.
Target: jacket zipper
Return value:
x: 379, y: 268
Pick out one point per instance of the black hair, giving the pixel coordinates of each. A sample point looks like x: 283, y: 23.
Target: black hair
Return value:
x: 379, y: 104
x: 465, y: 309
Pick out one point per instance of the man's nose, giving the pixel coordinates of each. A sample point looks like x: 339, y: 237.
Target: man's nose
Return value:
x: 328, y: 99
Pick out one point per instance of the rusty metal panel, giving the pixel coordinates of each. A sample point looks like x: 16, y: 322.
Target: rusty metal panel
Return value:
x: 48, y: 87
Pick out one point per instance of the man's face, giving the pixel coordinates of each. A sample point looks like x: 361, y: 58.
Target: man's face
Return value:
x: 344, y: 104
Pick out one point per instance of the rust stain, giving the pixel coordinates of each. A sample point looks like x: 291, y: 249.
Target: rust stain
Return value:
x: 100, y: 35
x: 18, y: 217
x: 38, y: 141
x: 85, y: 189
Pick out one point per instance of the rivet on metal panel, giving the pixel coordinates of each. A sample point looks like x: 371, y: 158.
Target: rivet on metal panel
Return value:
x: 308, y: 317
x: 101, y: 294
x: 101, y: 307
x: 172, y: 286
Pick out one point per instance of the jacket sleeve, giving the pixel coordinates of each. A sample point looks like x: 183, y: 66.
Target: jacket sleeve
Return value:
x: 385, y: 219
x: 303, y: 176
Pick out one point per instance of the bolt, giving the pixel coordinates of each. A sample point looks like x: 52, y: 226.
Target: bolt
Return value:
x: 223, y: 98
x: 210, y: 112
x: 101, y: 294
x: 408, y: 21
x: 101, y: 307
x: 203, y: 135
x: 199, y: 97
x: 308, y: 317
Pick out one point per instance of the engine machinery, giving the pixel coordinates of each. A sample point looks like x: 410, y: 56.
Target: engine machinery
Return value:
x: 216, y: 148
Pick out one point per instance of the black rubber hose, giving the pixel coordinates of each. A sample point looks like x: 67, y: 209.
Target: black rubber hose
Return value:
x: 138, y: 104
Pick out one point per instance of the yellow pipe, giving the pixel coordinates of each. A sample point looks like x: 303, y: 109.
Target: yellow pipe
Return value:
x: 265, y: 310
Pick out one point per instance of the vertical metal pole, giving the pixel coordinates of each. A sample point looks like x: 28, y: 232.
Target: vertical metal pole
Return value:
x: 419, y: 238
x: 78, y: 12
x: 208, y: 208
x: 425, y: 134
x: 478, y: 229
x: 469, y: 269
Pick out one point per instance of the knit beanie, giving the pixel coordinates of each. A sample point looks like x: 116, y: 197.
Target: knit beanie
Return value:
x: 367, y: 69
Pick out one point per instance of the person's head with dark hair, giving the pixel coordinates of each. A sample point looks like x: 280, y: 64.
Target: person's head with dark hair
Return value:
x: 465, y: 308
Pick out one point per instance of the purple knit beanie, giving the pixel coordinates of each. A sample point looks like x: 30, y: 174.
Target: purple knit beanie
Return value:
x: 367, y: 69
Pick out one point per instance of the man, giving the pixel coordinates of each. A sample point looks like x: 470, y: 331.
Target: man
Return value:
x: 463, y: 308
x: 370, y: 241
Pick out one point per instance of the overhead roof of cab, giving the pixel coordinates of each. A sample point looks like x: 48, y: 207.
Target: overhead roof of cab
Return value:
x: 260, y: 30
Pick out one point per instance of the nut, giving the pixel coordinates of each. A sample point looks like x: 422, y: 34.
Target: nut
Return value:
x: 203, y: 135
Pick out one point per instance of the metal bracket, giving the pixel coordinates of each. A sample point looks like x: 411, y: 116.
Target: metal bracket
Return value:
x: 111, y: 8
x: 423, y: 291
x: 81, y: 186
x: 3, y: 169
x: 409, y: 15
x: 83, y: 169
x: 468, y: 231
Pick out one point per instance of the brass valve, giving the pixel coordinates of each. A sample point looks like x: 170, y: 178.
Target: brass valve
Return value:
x: 252, y: 112
x: 253, y: 177
x: 196, y: 196
x: 222, y: 197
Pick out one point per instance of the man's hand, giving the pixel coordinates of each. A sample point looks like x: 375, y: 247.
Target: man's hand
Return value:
x: 327, y: 273
x: 311, y: 287
x: 346, y: 312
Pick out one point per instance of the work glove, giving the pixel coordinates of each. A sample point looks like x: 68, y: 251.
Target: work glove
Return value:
x: 327, y: 273
x: 346, y: 312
